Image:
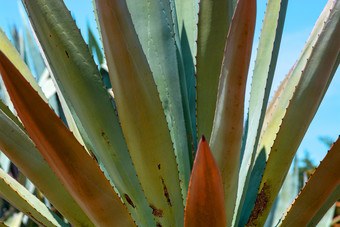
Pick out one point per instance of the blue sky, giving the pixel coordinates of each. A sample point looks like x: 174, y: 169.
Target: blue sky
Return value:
x: 300, y: 19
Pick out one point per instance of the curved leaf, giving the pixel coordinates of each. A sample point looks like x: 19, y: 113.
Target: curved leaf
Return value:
x: 16, y: 144
x: 138, y: 103
x: 186, y: 18
x: 327, y: 205
x: 69, y: 160
x: 9, y: 50
x: 265, y: 63
x: 156, y: 35
x: 226, y: 135
x: 81, y: 85
x: 213, y: 24
x: 300, y: 112
x: 318, y: 188
x: 22, y: 199
x: 205, y: 203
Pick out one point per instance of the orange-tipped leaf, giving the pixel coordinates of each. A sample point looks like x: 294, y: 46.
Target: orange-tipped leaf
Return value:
x: 205, y: 202
x: 71, y: 163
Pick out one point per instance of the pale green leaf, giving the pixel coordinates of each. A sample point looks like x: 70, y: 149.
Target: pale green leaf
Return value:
x: 82, y: 87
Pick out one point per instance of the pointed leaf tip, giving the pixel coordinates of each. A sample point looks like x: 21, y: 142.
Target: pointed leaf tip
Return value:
x: 205, y: 191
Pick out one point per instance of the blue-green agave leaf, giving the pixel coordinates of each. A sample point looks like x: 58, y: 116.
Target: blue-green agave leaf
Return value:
x: 315, y: 76
x: 35, y: 56
x: 213, y: 25
x: 79, y: 80
x: 263, y: 73
x: 187, y: 19
x: 149, y: 143
x: 156, y: 34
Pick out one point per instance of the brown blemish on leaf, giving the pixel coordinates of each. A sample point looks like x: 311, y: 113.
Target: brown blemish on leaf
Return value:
x: 67, y: 54
x: 156, y: 212
x: 260, y: 204
x: 159, y: 166
x: 128, y: 199
x: 166, y: 193
x: 105, y: 138
x: 158, y: 224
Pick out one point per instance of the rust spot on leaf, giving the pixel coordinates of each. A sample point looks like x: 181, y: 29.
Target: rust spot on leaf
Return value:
x: 128, y: 199
x: 105, y: 138
x: 156, y: 212
x: 166, y: 193
x: 260, y: 204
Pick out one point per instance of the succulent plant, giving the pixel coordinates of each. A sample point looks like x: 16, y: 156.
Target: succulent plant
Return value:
x: 178, y: 69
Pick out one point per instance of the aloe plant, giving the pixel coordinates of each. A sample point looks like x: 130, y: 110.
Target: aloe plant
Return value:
x: 178, y: 69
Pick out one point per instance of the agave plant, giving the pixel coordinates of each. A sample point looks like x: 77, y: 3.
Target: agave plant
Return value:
x: 178, y: 69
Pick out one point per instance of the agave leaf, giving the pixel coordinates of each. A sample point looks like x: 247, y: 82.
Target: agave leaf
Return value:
x: 18, y: 42
x: 18, y: 195
x: 37, y: 60
x: 81, y: 85
x: 15, y: 220
x: 74, y: 167
x: 5, y: 110
x: 149, y: 143
x: 327, y: 218
x: 263, y: 73
x: 205, y: 191
x: 318, y: 188
x: 301, y: 110
x: 234, y: 4
x: 326, y: 206
x: 156, y: 35
x: 277, y: 110
x: 187, y: 14
x: 189, y: 108
x: 274, y: 114
x: 93, y: 44
x: 5, y: 163
x: 185, y: 21
x: 227, y: 129
x: 288, y: 192
x: 9, y: 50
x: 74, y: 123
x: 273, y: 118
x: 260, y: 159
x: 97, y: 21
x: 213, y: 25
x: 16, y: 144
